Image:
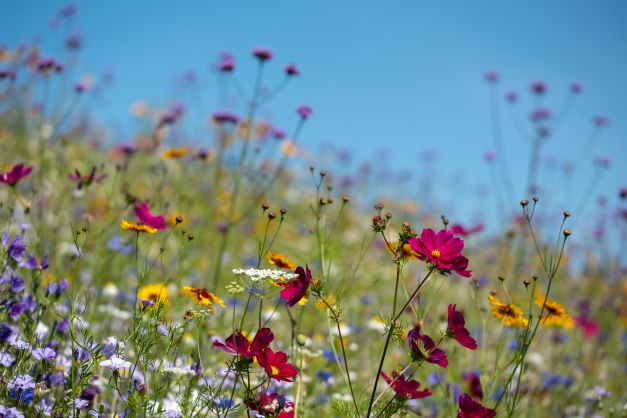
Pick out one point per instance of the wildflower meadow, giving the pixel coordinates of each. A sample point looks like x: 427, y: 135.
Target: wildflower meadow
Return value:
x: 237, y: 272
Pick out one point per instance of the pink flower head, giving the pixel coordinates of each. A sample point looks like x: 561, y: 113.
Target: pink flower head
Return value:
x: 238, y: 345
x: 145, y: 217
x: 491, y: 76
x: 225, y: 117
x: 278, y: 133
x: 457, y: 329
x: 540, y: 114
x: 575, y: 87
x: 538, y: 87
x: 14, y: 175
x: 304, y: 111
x: 589, y: 326
x: 262, y: 54
x: 47, y: 65
x: 81, y: 87
x: 297, y: 288
x: 423, y: 348
x: 276, y: 365
x: 511, y: 97
x: 227, y: 63
x: 458, y: 229
x: 404, y: 387
x: 600, y: 121
x: 471, y: 409
x: 291, y: 70
x: 443, y: 250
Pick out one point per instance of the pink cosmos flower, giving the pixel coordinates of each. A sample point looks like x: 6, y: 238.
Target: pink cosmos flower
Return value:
x: 304, y: 111
x: 13, y: 176
x: 443, y: 250
x: 473, y: 380
x: 291, y: 70
x: 459, y: 229
x: 471, y: 409
x: 457, y: 329
x: 589, y: 326
x: 272, y: 405
x: 238, y: 345
x: 145, y: 217
x: 404, y: 387
x: 262, y: 54
x: 276, y: 365
x: 423, y: 348
x: 297, y: 288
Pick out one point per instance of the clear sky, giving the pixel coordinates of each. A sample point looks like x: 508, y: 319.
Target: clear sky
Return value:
x: 401, y: 75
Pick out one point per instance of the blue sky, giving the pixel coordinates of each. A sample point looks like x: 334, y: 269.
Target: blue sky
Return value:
x: 401, y: 75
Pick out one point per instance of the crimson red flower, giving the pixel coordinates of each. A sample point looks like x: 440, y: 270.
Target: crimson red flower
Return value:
x: 458, y: 229
x: 291, y: 70
x: 145, y: 217
x: 15, y: 174
x: 272, y: 405
x: 443, y: 250
x: 424, y: 348
x: 262, y: 54
x: 473, y: 380
x: 589, y: 326
x: 471, y: 409
x: 457, y: 329
x: 297, y: 288
x: 276, y: 365
x: 237, y: 344
x: 404, y: 387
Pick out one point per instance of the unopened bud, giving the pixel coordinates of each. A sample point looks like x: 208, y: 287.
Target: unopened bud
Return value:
x: 178, y: 220
x: 567, y: 232
x: 526, y: 283
x: 524, y: 202
x: 265, y: 206
x: 283, y: 211
x: 388, y: 215
x: 301, y: 340
x: 378, y: 224
x: 566, y: 213
x: 501, y: 278
x: 271, y: 215
x: 346, y: 199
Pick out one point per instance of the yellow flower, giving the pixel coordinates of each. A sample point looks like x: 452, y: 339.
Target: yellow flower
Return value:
x: 288, y: 148
x: 511, y: 315
x: 280, y: 261
x: 201, y: 296
x: 407, y: 252
x: 175, y: 153
x: 554, y: 313
x: 137, y: 227
x: 153, y: 292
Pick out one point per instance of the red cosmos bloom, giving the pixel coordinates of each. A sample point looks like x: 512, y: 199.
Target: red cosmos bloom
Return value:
x: 262, y: 54
x: 272, y: 405
x: 458, y: 229
x: 423, y: 348
x: 457, y: 329
x: 471, y: 409
x: 473, y: 380
x: 291, y: 70
x: 405, y: 388
x: 276, y: 365
x: 297, y: 288
x: 238, y: 345
x: 14, y: 175
x: 304, y: 111
x: 589, y: 326
x: 443, y: 250
x: 145, y: 217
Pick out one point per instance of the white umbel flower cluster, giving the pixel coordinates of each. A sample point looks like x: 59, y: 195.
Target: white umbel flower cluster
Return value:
x: 260, y: 274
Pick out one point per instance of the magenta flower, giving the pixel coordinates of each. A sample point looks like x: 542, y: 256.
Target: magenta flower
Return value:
x: 291, y: 70
x: 424, y: 348
x: 471, y: 409
x: 262, y: 54
x: 13, y: 176
x: 473, y: 381
x: 227, y: 63
x: 297, y: 288
x: 538, y: 87
x: 145, y: 217
x: 304, y: 111
x: 491, y: 76
x: 276, y: 365
x: 238, y: 345
x: 589, y: 326
x: 459, y: 229
x: 404, y: 387
x: 457, y: 329
x: 444, y: 251
x: 225, y: 117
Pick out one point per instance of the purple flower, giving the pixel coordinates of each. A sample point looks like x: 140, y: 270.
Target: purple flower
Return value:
x: 44, y: 354
x: 17, y: 284
x: 21, y: 382
x: 6, y: 359
x: 491, y: 76
x: 17, y: 248
x: 262, y: 54
x: 304, y: 111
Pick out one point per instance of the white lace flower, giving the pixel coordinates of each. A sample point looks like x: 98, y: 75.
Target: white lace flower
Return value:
x: 260, y: 274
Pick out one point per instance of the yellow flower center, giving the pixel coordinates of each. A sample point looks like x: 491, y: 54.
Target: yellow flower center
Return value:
x: 275, y: 370
x: 435, y: 253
